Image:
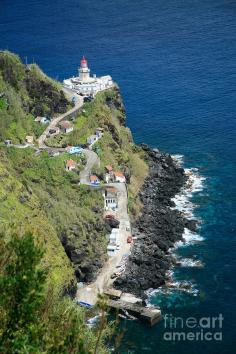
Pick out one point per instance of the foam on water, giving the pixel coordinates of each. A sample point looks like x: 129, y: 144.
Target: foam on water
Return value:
x: 175, y: 287
x: 189, y: 262
x: 182, y: 201
x: 189, y: 238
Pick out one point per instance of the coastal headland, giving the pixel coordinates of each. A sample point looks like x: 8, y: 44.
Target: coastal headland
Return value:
x: 85, y: 148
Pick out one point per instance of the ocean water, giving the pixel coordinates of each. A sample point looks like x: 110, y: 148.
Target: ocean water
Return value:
x: 175, y: 62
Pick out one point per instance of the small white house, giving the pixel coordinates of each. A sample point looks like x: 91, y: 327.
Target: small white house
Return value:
x: 115, y: 236
x: 42, y: 120
x: 70, y: 165
x: 29, y: 139
x: 66, y: 126
x: 92, y: 139
x: 110, y: 198
x: 94, y: 180
x: 119, y: 177
x: 109, y: 176
x: 8, y: 142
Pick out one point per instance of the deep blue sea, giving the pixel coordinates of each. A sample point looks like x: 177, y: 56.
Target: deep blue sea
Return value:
x: 175, y: 62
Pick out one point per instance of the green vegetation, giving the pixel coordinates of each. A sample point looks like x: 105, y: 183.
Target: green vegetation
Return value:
x: 116, y: 147
x: 26, y: 92
x: 48, y: 209
x: 21, y: 211
x: 33, y: 319
x: 74, y: 213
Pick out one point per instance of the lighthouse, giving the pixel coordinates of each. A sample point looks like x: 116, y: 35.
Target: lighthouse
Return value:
x: 84, y: 71
x: 87, y: 85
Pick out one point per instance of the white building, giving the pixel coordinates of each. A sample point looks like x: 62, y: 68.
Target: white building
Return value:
x: 85, y: 84
x: 92, y: 139
x: 119, y: 177
x: 115, y: 236
x: 66, y: 126
x: 110, y: 198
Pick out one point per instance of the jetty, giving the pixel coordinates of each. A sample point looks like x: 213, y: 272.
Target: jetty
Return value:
x: 133, y: 305
x: 149, y: 315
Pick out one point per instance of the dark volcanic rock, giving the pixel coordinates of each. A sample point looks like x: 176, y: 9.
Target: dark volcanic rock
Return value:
x: 158, y: 228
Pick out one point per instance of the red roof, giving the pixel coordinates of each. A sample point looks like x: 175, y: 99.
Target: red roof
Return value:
x: 70, y: 163
x: 93, y: 178
x: 119, y: 174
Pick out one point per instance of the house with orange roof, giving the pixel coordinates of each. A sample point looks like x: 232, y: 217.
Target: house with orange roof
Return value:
x: 94, y: 180
x: 70, y: 165
x: 119, y: 177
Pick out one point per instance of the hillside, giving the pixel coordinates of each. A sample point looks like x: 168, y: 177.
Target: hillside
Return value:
x: 116, y: 147
x: 37, y: 194
x: 25, y: 92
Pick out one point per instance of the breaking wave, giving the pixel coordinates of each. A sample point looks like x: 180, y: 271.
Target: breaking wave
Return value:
x: 189, y: 238
x: 182, y: 202
x: 189, y: 263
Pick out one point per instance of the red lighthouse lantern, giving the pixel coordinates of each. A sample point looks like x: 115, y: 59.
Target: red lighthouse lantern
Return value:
x: 83, y: 63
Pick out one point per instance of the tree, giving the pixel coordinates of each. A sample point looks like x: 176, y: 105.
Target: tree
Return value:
x: 22, y: 284
x: 34, y: 318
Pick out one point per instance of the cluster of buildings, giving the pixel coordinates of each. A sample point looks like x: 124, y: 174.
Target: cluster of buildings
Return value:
x: 110, y: 177
x: 114, y: 176
x: 87, y: 85
x: 111, y: 205
x: 65, y: 126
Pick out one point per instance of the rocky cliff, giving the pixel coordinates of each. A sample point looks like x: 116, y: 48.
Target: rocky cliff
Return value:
x: 158, y: 227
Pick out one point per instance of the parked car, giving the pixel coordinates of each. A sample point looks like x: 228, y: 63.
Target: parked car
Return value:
x: 52, y: 131
x: 110, y: 216
x: 88, y: 99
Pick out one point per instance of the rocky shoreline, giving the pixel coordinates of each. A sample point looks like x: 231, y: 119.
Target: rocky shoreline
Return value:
x: 158, y: 228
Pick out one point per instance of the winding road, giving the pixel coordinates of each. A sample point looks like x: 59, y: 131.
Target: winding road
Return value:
x: 92, y: 157
x: 54, y: 122
x: 90, y: 292
x: 92, y: 160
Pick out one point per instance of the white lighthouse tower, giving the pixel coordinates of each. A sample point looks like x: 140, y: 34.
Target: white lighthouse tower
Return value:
x: 84, y: 84
x: 84, y: 71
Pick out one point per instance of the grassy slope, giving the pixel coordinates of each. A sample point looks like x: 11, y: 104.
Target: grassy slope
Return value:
x: 116, y: 147
x: 45, y: 198
x: 73, y: 213
x: 25, y: 92
x: 20, y: 211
